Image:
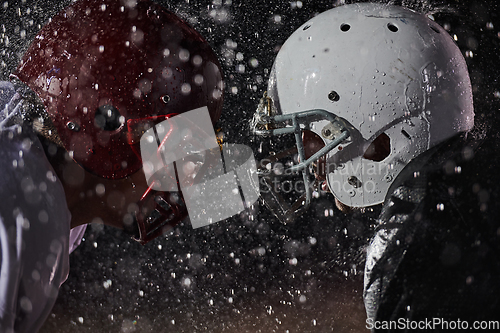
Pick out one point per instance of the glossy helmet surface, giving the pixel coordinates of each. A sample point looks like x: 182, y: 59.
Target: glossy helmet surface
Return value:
x: 106, y: 71
x: 394, y: 79
x: 98, y: 64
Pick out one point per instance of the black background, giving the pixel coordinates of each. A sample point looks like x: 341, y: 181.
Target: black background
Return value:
x: 241, y: 272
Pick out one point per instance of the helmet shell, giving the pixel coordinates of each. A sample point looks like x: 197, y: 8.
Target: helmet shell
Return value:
x: 385, y: 70
x: 99, y: 65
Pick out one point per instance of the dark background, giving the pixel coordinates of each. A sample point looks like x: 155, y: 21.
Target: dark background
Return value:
x: 249, y: 273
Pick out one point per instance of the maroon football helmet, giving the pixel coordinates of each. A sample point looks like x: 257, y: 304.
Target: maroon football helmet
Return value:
x: 107, y: 71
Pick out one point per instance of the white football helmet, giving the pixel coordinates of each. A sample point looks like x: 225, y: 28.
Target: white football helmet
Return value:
x: 379, y: 84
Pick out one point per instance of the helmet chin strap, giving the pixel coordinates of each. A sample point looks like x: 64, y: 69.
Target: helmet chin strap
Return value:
x: 267, y: 124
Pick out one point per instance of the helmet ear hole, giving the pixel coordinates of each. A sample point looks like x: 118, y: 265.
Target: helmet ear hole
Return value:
x: 312, y: 143
x: 379, y: 149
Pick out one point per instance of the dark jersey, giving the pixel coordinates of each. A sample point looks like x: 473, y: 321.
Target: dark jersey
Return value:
x: 436, y: 251
x: 35, y: 236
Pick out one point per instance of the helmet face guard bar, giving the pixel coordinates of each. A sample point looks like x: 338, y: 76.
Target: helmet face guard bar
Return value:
x: 158, y: 210
x: 338, y: 131
x: 164, y: 211
x: 305, y: 117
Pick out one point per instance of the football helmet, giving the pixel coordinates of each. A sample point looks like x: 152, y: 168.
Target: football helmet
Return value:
x: 106, y: 72
x: 377, y: 84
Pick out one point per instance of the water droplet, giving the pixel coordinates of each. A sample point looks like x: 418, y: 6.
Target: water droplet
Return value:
x: 26, y: 304
x: 186, y: 88
x: 186, y: 282
x: 107, y: 284
x: 198, y: 79
x: 184, y: 55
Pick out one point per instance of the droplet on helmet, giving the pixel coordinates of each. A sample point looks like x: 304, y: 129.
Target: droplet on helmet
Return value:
x: 108, y: 118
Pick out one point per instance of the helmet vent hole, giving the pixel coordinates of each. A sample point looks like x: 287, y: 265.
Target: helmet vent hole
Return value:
x: 436, y: 30
x: 306, y: 27
x: 333, y: 96
x: 108, y: 118
x: 345, y: 27
x: 392, y: 27
x: 379, y: 149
